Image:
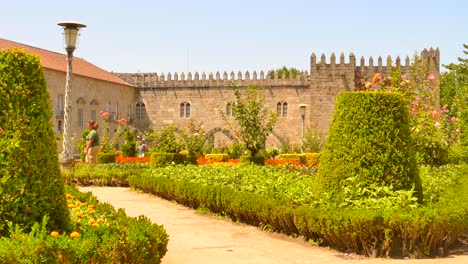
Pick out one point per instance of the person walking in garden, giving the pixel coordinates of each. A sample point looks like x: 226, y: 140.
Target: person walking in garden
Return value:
x: 92, y: 147
x: 142, y: 149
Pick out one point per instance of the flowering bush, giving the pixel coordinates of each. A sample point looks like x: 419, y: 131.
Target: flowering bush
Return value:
x: 433, y: 129
x: 108, y: 145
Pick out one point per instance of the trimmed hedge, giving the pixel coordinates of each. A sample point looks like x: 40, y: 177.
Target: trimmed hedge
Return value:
x: 217, y: 157
x: 389, y: 232
x: 295, y: 157
x: 369, y: 140
x: 247, y: 159
x: 30, y: 182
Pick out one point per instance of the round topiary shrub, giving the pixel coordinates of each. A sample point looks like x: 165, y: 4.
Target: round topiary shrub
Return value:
x: 369, y: 141
x: 31, y: 186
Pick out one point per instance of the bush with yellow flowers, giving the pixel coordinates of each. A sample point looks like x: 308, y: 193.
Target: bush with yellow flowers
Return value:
x: 97, y: 234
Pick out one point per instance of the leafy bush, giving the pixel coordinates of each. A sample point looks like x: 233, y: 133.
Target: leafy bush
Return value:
x: 108, y: 237
x: 31, y: 185
x: 369, y: 140
x: 129, y: 146
x: 248, y: 159
x: 312, y: 159
x: 164, y: 159
x: 104, y: 158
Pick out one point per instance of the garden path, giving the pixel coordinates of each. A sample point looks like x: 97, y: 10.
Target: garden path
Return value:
x: 195, y: 238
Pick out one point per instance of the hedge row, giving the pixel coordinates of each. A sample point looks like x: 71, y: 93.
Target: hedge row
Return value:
x: 418, y: 232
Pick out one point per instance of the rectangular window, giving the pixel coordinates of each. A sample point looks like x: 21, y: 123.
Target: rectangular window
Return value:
x: 80, y: 117
x: 93, y: 115
x: 285, y: 109
x: 116, y: 111
x: 59, y: 126
x: 60, y: 110
x: 129, y: 112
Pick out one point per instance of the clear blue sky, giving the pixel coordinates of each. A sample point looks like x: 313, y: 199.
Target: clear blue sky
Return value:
x: 215, y: 35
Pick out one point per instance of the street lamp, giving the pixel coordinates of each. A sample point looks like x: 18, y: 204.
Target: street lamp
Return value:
x: 303, y: 112
x: 71, y: 29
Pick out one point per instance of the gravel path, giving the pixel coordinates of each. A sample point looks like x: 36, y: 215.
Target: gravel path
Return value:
x: 207, y: 239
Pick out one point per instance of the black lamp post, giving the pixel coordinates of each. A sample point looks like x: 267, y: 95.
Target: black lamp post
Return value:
x: 71, y: 29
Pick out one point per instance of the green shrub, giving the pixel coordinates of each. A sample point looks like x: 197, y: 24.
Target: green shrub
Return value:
x: 164, y: 159
x: 129, y: 146
x: 247, y: 159
x: 217, y: 157
x: 109, y: 174
x: 31, y: 185
x: 104, y: 158
x: 121, y: 239
x: 369, y: 140
x: 82, y: 144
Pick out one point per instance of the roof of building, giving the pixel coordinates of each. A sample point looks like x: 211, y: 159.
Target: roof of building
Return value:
x: 58, y: 61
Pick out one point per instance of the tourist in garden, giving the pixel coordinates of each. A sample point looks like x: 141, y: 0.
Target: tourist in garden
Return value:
x: 142, y: 149
x: 92, y: 147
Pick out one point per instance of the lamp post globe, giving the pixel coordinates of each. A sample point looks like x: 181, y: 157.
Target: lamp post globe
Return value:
x: 70, y: 32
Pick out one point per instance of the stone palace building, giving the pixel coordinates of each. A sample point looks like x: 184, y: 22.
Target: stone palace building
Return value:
x: 146, y: 100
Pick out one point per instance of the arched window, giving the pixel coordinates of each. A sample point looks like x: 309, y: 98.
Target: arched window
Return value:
x: 229, y: 109
x: 185, y: 110
x: 282, y: 109
x: 140, y: 110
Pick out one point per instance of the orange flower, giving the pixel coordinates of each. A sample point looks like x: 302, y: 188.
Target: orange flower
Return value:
x: 75, y: 234
x: 377, y: 77
x: 54, y: 234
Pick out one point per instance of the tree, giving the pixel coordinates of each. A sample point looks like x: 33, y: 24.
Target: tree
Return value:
x: 287, y: 72
x: 454, y: 94
x: 31, y: 186
x: 252, y: 121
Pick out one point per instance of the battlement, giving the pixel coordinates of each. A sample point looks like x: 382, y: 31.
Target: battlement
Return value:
x: 213, y: 80
x: 321, y: 69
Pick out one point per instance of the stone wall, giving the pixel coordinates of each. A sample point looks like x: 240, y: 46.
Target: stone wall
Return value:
x: 208, y: 94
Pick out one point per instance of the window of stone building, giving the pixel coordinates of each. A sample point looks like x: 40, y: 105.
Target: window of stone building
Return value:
x: 129, y: 113
x: 80, y: 117
x: 108, y: 107
x: 140, y: 110
x: 229, y: 109
x: 60, y: 105
x: 185, y: 109
x: 59, y: 126
x: 93, y: 115
x: 282, y: 109
x: 116, y: 116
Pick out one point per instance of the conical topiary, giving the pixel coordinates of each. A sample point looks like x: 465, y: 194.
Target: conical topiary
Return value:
x: 369, y: 139
x: 31, y: 186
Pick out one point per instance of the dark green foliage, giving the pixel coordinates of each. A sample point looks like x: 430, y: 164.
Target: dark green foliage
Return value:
x: 129, y: 146
x: 369, y: 141
x: 30, y: 185
x: 104, y: 158
x: 165, y: 159
x: 124, y: 240
x: 247, y: 159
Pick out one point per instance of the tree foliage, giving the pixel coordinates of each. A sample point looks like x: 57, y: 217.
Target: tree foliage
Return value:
x: 454, y: 93
x: 252, y: 121
x: 31, y: 186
